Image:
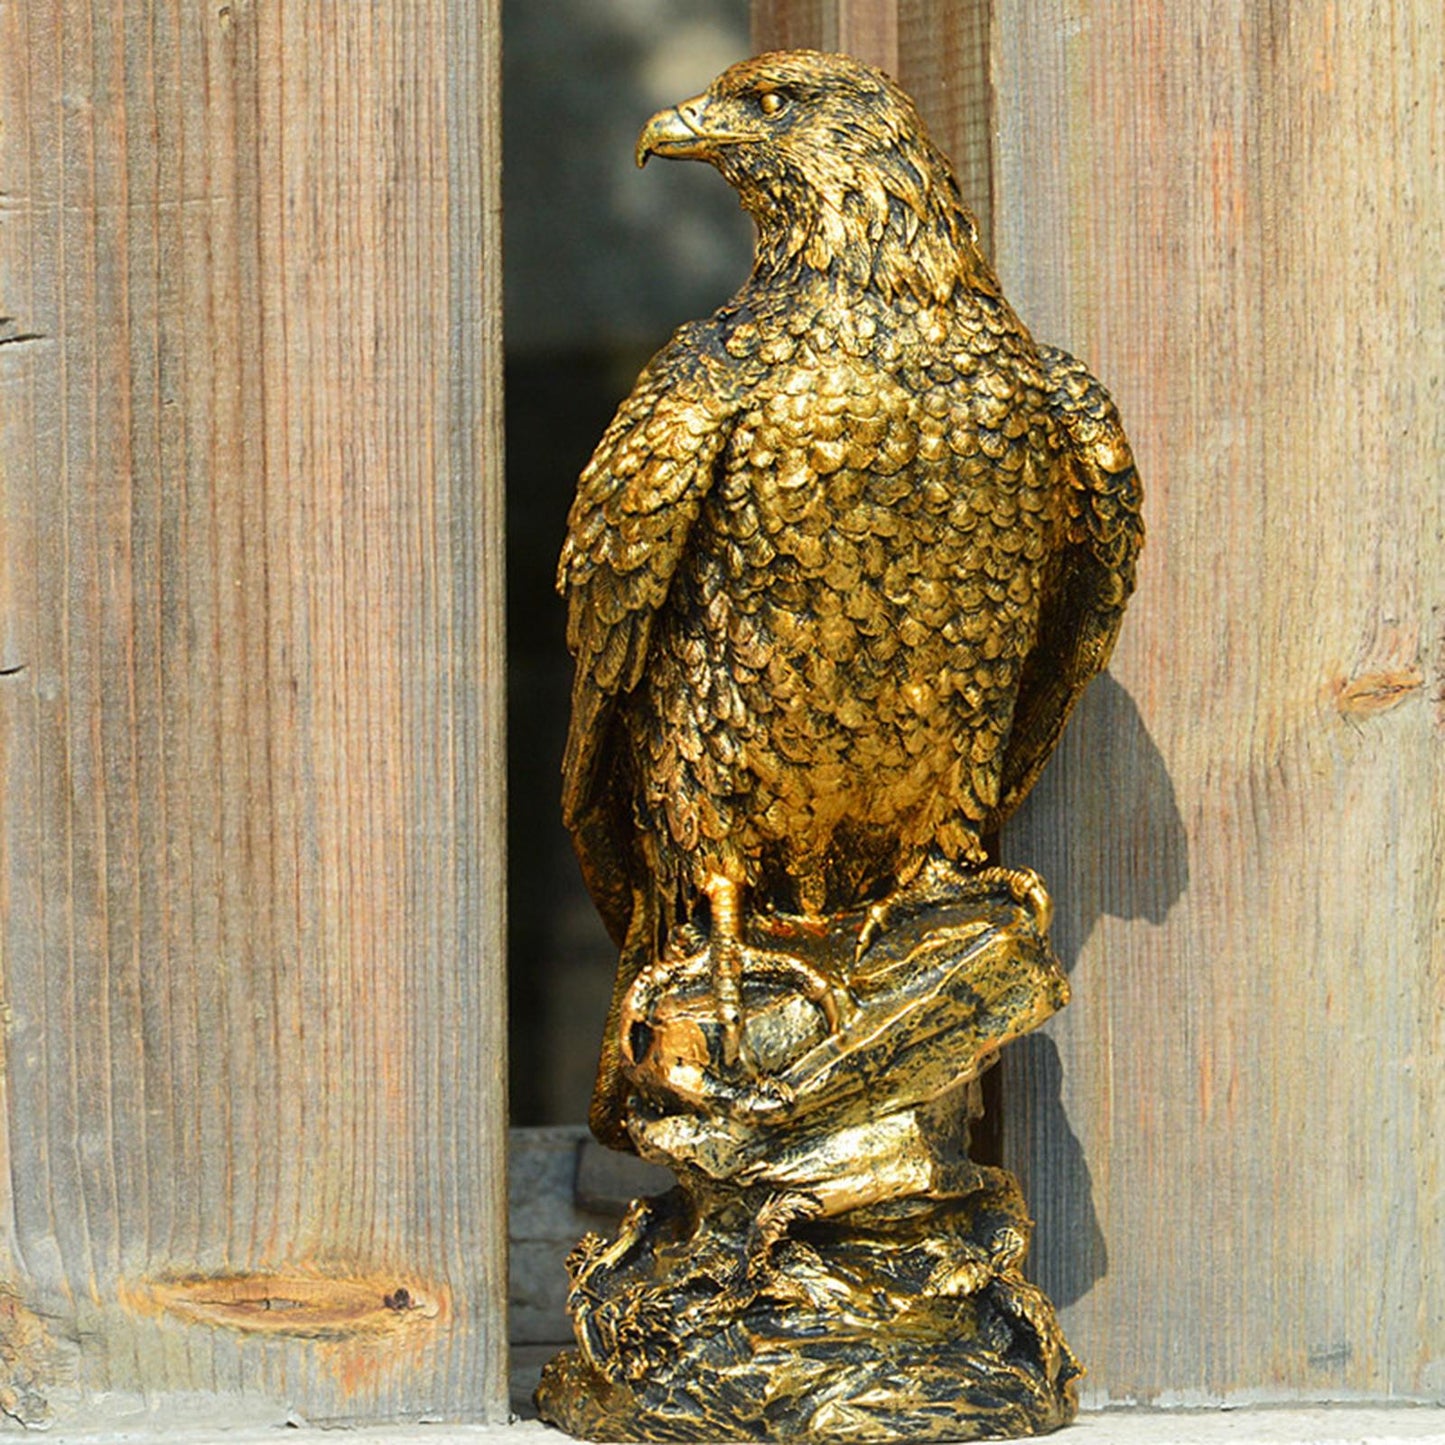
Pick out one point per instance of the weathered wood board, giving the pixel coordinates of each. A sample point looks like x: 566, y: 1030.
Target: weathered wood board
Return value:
x: 1233, y: 1137
x: 250, y: 705
x: 863, y: 28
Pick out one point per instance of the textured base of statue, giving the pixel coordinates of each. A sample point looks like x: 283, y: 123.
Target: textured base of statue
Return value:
x: 832, y: 1263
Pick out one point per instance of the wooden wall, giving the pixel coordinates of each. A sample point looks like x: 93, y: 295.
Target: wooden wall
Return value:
x: 250, y: 722
x: 249, y: 669
x: 1234, y: 1139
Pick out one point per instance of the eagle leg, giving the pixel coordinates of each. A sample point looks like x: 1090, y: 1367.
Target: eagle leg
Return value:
x: 726, y: 944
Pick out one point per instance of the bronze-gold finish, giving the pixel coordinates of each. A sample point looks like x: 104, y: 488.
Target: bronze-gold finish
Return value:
x: 836, y: 574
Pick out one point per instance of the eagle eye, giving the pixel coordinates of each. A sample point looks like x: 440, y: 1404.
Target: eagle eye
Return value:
x: 772, y: 102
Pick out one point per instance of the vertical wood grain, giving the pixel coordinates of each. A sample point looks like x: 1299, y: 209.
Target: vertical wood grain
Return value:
x: 862, y: 28
x: 250, y: 716
x: 1232, y: 1138
x: 939, y: 50
x: 788, y: 24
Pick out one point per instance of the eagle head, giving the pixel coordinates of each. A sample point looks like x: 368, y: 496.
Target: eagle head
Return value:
x: 830, y: 158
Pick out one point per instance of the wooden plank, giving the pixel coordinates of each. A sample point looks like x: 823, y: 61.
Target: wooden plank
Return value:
x: 788, y: 24
x: 250, y: 716
x: 867, y: 29
x: 1232, y: 1139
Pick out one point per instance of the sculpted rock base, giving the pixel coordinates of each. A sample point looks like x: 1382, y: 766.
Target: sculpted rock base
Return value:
x: 871, y: 1329
x: 832, y: 1265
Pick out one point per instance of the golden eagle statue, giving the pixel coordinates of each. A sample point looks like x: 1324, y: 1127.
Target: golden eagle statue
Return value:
x: 845, y: 558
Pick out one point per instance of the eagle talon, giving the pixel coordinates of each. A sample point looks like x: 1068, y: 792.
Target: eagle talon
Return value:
x: 927, y: 886
x: 874, y: 926
x: 838, y: 1005
x: 1028, y: 891
x: 939, y: 883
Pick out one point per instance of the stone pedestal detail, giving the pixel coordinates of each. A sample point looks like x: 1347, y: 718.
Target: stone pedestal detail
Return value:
x: 832, y: 1265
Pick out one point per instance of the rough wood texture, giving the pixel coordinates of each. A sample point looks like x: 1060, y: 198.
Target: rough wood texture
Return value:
x: 1237, y: 215
x: 943, y: 62
x: 250, y: 716
x: 857, y: 27
x: 1232, y: 1139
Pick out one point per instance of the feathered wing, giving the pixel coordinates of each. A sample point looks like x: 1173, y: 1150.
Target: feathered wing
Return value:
x: 628, y: 528
x: 1084, y: 603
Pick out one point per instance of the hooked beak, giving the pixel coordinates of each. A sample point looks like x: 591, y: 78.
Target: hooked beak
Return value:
x: 681, y: 132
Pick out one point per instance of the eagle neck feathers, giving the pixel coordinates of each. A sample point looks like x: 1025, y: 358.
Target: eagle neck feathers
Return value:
x: 897, y: 228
